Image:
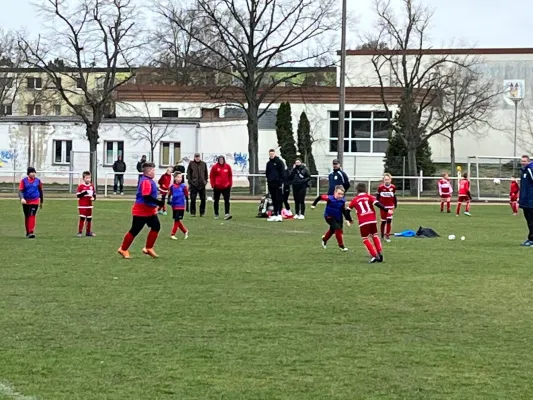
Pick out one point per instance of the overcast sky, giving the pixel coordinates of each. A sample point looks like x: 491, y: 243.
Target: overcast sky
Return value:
x: 479, y: 23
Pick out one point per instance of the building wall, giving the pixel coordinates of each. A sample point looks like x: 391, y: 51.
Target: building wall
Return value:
x: 497, y: 139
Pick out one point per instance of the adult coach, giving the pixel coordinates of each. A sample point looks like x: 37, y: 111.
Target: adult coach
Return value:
x: 119, y: 168
x: 144, y: 212
x: 140, y: 164
x: 221, y: 178
x: 197, y: 176
x: 275, y: 176
x: 526, y: 196
x: 337, y: 177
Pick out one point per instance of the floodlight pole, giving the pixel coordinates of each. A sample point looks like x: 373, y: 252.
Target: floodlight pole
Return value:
x: 342, y: 97
x: 516, y: 101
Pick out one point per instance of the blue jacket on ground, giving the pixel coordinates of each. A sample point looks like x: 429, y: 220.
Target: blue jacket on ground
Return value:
x: 338, y: 177
x: 526, y: 187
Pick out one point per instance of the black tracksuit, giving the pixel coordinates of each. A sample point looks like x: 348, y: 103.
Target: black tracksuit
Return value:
x: 275, y: 176
x: 299, y: 178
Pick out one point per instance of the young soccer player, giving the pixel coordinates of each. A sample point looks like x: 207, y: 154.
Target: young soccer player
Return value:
x: 363, y: 204
x: 179, y: 201
x: 464, y: 195
x: 513, y: 195
x: 387, y: 196
x: 334, y: 213
x: 164, y: 183
x: 144, y: 212
x: 31, y: 197
x: 445, y: 193
x: 86, y: 195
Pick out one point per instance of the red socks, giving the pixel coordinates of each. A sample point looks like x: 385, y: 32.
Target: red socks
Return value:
x: 81, y: 224
x: 377, y: 244
x: 30, y: 224
x: 458, y: 208
x: 128, y: 240
x: 514, y: 207
x: 89, y: 225
x: 441, y: 206
x: 338, y: 236
x: 327, y: 236
x: 370, y: 247
x: 150, y: 240
x: 178, y: 225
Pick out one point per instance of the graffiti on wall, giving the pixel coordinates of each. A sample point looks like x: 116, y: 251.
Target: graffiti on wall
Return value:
x: 7, y: 157
x: 238, y: 160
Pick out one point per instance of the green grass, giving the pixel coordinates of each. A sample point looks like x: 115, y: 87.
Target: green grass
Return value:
x: 255, y: 310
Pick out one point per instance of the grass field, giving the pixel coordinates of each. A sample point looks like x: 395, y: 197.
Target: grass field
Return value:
x: 255, y: 310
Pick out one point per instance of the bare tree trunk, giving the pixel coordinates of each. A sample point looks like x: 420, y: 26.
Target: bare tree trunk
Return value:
x: 92, y: 136
x: 413, y: 170
x: 253, y: 149
x: 452, y: 154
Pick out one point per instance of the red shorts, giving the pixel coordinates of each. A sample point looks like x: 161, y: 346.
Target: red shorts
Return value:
x: 446, y: 197
x: 463, y: 198
x: 368, y: 229
x: 85, y: 212
x: 385, y: 214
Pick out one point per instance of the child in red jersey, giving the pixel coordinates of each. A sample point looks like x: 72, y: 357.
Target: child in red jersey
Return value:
x: 464, y: 195
x: 445, y: 193
x: 86, y: 195
x: 31, y: 197
x: 387, y: 196
x: 363, y: 204
x: 178, y: 199
x: 164, y: 183
x: 514, y: 192
x: 333, y: 214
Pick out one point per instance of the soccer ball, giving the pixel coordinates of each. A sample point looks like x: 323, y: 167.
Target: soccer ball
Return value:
x: 463, y: 238
x: 451, y: 237
x: 497, y: 181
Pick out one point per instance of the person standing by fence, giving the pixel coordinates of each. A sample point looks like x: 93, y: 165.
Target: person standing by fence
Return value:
x: 119, y: 168
x: 337, y: 177
x: 526, y: 196
x: 197, y: 176
x: 275, y: 176
x: 221, y: 178
x: 140, y: 164
x: 299, y: 178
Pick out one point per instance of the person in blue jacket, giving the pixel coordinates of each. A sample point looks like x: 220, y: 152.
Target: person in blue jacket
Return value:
x: 337, y: 177
x: 526, y: 196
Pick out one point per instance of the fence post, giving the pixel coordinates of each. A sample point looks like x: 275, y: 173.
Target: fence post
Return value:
x: 403, y: 177
x: 420, y: 183
x: 105, y: 184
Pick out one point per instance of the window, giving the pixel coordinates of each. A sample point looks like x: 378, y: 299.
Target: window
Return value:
x: 33, y: 109
x: 6, y: 109
x: 170, y: 153
x: 112, y: 151
x: 57, y: 109
x: 56, y: 84
x: 6, y: 83
x: 79, y: 83
x: 62, y: 151
x: 364, y: 131
x: 34, y: 83
x: 169, y: 113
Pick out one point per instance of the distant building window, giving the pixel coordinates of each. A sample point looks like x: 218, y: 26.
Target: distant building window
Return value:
x: 6, y: 109
x: 113, y: 149
x: 62, y: 151
x: 169, y: 113
x: 170, y: 153
x: 364, y: 131
x: 79, y: 83
x: 6, y: 83
x: 34, y: 83
x: 33, y: 109
x: 57, y: 109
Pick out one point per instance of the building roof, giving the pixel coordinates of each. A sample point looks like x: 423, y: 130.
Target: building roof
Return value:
x: 474, y: 51
x: 63, y: 70
x: 231, y: 95
x: 43, y: 120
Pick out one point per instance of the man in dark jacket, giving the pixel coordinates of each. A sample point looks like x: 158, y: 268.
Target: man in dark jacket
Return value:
x: 119, y: 168
x: 178, y: 168
x: 140, y: 164
x: 299, y: 178
x: 198, y: 176
x: 337, y: 177
x: 275, y: 176
x: 526, y: 196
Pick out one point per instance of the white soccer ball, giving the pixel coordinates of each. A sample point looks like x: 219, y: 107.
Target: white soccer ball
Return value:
x: 497, y: 181
x: 209, y: 198
x: 451, y: 237
x: 463, y: 238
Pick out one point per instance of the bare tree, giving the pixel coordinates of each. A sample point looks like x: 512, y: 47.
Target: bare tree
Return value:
x: 88, y: 35
x: 467, y: 100
x: 423, y: 77
x: 251, y: 39
x: 11, y: 77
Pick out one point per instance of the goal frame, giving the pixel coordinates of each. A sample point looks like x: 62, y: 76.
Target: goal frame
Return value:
x: 475, y: 160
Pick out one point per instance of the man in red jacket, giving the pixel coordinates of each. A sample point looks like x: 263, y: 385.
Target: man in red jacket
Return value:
x: 221, y: 178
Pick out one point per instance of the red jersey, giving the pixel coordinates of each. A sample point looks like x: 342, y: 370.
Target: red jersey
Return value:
x: 363, y: 204
x: 387, y: 195
x: 164, y: 183
x: 86, y: 200
x: 514, y: 190
x: 445, y: 188
x: 464, y: 187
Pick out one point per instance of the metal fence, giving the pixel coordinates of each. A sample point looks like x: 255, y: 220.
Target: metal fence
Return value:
x: 482, y: 188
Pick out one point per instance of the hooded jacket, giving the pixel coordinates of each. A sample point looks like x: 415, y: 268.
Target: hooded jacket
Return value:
x: 275, y: 171
x: 526, y: 187
x: 300, y: 176
x: 221, y: 175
